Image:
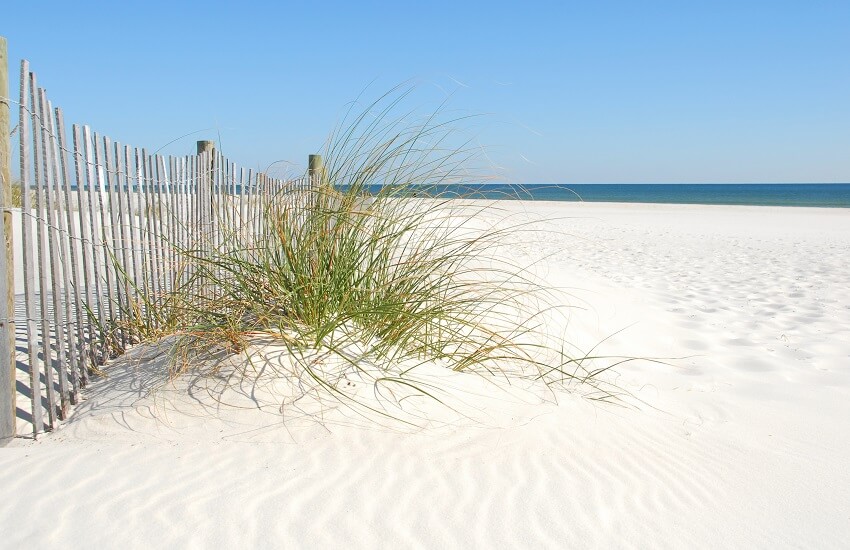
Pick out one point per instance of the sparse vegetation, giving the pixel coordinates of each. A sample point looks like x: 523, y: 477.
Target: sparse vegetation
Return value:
x: 17, y: 197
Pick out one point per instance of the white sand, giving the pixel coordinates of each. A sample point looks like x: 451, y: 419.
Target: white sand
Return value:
x: 743, y: 441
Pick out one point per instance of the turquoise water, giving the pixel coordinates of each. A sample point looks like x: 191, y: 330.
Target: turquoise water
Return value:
x: 828, y: 195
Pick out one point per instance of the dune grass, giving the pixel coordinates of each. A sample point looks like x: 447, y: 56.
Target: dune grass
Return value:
x: 375, y: 283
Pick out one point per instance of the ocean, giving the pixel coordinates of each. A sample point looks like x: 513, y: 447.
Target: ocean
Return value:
x: 825, y: 195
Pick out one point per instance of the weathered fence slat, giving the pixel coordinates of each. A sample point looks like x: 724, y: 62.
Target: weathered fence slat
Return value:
x: 61, y: 183
x: 143, y: 269
x: 150, y: 239
x: 122, y: 258
x: 40, y: 170
x: 53, y: 250
x: 85, y: 253
x: 27, y: 253
x: 162, y: 257
x: 96, y: 215
x: 173, y: 178
x: 132, y: 228
x: 114, y: 251
x: 110, y: 299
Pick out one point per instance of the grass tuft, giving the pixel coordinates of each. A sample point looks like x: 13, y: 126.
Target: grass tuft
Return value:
x: 369, y: 270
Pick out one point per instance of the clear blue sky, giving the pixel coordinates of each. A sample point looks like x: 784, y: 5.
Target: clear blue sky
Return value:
x: 608, y: 91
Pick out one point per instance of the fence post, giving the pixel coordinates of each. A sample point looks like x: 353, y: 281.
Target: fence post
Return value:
x: 206, y: 146
x: 7, y: 332
x: 315, y: 169
x: 314, y: 163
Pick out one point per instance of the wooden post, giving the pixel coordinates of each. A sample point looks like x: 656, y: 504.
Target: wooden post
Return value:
x: 7, y: 377
x: 206, y: 146
x: 314, y: 166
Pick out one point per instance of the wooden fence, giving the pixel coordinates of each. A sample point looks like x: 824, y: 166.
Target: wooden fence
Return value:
x: 105, y: 230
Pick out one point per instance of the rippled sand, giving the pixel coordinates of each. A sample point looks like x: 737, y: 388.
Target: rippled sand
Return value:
x: 739, y: 438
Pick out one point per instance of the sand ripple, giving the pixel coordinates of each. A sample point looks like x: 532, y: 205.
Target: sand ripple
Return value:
x: 740, y: 438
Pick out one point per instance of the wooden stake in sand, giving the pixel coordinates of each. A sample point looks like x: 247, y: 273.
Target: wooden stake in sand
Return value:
x: 28, y: 252
x: 7, y: 273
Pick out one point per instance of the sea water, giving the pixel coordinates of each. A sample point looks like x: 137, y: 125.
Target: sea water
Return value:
x: 829, y: 195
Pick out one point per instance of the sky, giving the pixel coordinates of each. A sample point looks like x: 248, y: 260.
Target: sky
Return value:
x: 562, y: 92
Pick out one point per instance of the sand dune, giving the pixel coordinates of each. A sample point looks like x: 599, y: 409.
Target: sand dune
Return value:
x: 739, y: 438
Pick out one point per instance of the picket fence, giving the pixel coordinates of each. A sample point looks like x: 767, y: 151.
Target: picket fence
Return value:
x: 105, y: 230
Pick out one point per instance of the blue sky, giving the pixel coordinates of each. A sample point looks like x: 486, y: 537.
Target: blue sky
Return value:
x: 570, y: 92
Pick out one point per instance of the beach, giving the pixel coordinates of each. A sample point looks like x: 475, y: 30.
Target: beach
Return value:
x: 727, y: 328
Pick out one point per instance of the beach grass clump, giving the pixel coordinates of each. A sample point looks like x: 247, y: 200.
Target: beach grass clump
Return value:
x: 364, y: 268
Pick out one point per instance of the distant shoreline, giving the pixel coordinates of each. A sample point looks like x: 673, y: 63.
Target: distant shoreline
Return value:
x: 819, y: 195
